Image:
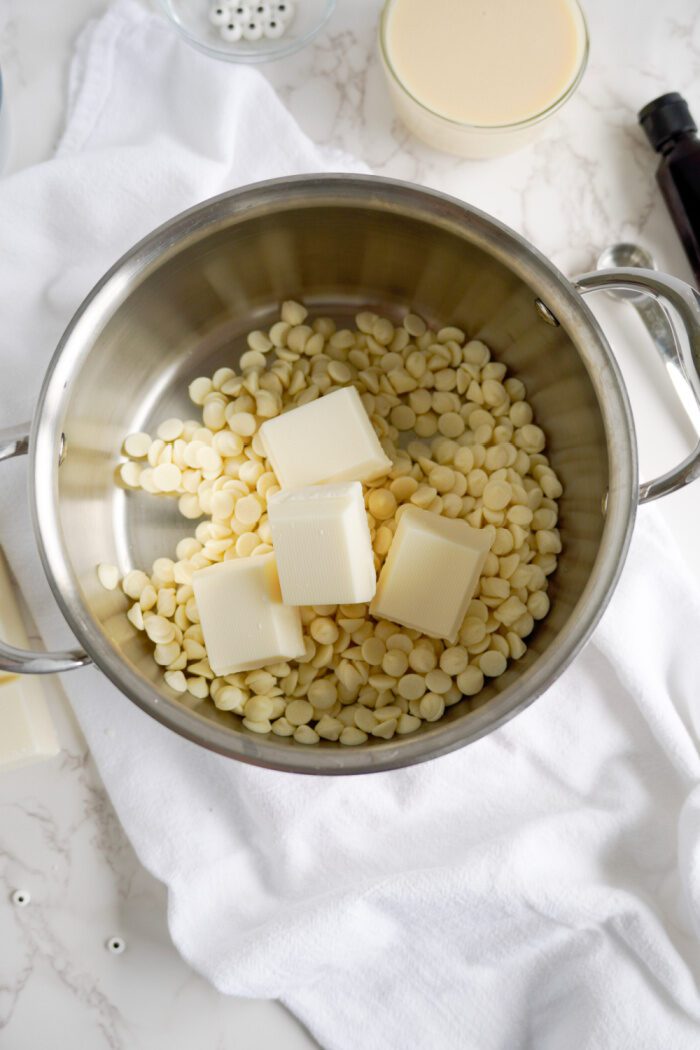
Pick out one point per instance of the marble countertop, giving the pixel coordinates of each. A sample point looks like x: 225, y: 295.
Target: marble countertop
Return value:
x: 588, y: 183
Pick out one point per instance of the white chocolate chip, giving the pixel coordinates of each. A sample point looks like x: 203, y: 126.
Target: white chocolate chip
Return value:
x: 108, y: 576
x: 167, y: 477
x: 137, y: 445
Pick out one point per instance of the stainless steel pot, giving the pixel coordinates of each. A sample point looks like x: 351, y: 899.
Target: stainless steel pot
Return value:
x: 179, y: 304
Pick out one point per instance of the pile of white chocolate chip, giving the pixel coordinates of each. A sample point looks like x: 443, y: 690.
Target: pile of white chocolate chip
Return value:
x: 463, y: 444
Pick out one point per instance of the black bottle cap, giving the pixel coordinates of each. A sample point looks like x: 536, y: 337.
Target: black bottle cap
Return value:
x: 666, y: 118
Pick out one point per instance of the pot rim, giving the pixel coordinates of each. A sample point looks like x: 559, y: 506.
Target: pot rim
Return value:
x: 546, y: 282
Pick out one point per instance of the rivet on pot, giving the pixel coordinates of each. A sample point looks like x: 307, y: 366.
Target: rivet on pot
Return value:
x: 546, y: 314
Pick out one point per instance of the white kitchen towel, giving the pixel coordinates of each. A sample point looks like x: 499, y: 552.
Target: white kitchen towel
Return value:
x: 540, y: 889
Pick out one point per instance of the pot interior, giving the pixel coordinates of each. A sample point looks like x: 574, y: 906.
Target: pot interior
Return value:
x: 181, y: 306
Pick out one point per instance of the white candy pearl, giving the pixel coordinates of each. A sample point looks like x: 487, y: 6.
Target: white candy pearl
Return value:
x: 284, y: 9
x: 274, y: 29
x: 240, y: 13
x: 231, y: 33
x: 220, y: 14
x: 261, y: 11
x: 252, y: 30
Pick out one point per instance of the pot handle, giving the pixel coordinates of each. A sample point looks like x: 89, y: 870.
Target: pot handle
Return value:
x: 682, y: 357
x: 15, y: 442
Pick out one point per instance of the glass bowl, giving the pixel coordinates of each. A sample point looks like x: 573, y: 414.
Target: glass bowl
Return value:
x: 191, y: 19
x: 473, y: 141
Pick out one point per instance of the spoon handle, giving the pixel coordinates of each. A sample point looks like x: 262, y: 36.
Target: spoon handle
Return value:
x: 656, y: 323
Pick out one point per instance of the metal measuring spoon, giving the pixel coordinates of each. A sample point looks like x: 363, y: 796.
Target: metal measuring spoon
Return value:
x: 655, y: 321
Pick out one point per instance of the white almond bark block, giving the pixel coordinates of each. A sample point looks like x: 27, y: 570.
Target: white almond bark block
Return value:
x: 27, y: 732
x: 330, y: 439
x: 431, y: 572
x: 323, y: 546
x: 244, y: 621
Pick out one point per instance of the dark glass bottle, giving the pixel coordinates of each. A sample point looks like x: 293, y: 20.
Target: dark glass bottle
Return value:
x: 673, y: 133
